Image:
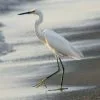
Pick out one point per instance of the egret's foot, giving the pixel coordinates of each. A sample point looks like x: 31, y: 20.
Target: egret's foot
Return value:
x: 61, y: 89
x: 40, y: 83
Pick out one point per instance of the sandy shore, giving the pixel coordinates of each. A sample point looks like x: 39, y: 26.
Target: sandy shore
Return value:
x: 89, y: 94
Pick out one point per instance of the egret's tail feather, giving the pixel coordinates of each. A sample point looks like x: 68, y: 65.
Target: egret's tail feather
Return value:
x: 77, y: 57
x: 77, y: 54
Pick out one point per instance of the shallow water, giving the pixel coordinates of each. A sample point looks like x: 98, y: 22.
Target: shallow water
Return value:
x: 25, y: 59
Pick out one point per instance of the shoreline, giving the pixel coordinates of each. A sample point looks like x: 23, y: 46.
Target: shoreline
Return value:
x: 87, y: 94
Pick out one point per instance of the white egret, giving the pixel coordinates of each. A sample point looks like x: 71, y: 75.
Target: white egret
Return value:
x: 58, y: 45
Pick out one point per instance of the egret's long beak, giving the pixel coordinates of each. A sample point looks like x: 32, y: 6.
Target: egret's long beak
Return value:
x: 29, y: 12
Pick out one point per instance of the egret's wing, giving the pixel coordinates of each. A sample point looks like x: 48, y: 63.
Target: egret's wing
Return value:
x: 61, y: 45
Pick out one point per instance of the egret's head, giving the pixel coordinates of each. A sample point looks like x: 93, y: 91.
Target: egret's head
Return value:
x: 36, y: 11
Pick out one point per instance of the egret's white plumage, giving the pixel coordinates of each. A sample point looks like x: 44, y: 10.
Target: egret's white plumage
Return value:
x: 55, y: 42
x: 60, y: 45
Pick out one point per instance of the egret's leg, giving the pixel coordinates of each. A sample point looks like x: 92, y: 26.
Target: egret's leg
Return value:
x: 56, y: 71
x: 62, y: 78
x: 44, y: 80
x: 63, y: 69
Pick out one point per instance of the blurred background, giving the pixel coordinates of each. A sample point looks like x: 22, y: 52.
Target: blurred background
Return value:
x: 24, y: 60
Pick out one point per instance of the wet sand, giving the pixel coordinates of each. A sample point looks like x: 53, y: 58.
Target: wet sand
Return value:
x: 87, y: 94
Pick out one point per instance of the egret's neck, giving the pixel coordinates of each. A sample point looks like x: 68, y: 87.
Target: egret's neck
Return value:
x: 37, y: 23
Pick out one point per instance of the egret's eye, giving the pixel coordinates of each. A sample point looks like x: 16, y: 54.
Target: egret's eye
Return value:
x: 33, y: 10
